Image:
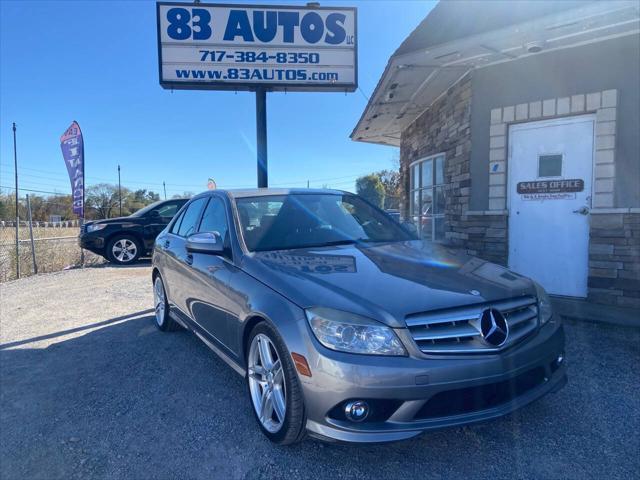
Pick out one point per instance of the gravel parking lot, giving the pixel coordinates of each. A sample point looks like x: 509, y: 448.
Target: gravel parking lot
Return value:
x: 90, y: 389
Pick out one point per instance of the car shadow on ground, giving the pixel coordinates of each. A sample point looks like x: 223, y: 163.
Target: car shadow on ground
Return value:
x: 125, y: 400
x: 143, y: 262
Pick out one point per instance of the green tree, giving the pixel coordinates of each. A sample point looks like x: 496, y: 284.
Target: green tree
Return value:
x: 62, y: 205
x: 371, y: 188
x: 392, y: 188
x: 134, y: 201
x: 102, y: 200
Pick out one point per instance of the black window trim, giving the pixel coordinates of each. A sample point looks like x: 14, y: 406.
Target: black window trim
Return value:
x: 177, y: 220
x: 182, y: 212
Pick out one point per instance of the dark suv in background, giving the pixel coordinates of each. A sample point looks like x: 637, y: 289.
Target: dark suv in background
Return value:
x: 124, y: 240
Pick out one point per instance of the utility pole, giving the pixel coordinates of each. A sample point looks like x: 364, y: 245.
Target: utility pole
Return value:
x: 164, y: 185
x: 15, y: 166
x: 119, y: 190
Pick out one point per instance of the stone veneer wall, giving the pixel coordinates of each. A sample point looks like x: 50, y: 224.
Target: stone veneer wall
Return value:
x: 445, y: 128
x: 614, y: 247
x: 603, y: 104
x: 614, y: 257
x: 483, y: 234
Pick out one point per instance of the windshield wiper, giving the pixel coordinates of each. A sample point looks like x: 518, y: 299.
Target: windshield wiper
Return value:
x: 345, y: 241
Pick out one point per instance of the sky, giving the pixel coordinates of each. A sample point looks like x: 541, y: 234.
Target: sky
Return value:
x: 96, y: 62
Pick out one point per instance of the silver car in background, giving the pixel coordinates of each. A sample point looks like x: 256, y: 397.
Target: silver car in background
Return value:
x: 344, y: 324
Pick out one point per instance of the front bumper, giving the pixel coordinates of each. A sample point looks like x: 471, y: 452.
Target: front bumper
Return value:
x: 418, y: 394
x: 91, y: 242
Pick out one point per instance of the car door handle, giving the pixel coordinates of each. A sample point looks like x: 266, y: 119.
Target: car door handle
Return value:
x: 582, y: 210
x: 189, y: 259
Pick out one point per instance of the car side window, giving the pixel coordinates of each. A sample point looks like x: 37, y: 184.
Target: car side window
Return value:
x: 214, y: 218
x: 190, y: 218
x: 176, y: 224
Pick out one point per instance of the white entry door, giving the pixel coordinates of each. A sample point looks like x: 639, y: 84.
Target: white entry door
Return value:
x: 550, y: 169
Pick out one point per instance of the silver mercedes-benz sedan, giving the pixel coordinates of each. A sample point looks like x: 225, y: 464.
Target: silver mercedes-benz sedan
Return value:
x: 346, y: 326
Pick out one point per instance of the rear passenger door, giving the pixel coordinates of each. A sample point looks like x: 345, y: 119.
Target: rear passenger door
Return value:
x: 212, y: 273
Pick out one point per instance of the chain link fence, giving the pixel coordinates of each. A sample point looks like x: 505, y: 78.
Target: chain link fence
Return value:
x: 55, y: 246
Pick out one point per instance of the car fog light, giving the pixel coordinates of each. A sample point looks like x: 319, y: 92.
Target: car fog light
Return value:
x: 356, y: 411
x: 560, y: 359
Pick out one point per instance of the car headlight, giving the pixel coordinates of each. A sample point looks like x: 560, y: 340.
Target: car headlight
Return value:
x: 352, y: 333
x: 95, y: 227
x: 544, y: 304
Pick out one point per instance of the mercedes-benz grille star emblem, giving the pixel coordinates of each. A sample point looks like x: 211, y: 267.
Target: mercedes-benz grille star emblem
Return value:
x: 494, y: 327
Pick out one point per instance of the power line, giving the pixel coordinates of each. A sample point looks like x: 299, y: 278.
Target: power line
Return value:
x: 89, y: 177
x: 187, y: 185
x: 30, y: 190
x: 363, y: 94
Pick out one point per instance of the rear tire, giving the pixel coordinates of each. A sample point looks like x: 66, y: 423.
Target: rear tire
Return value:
x: 269, y: 380
x: 163, y: 321
x: 124, y: 250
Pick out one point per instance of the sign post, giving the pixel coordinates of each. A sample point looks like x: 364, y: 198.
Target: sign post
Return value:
x: 33, y: 245
x: 15, y: 166
x: 261, y: 137
x: 257, y: 48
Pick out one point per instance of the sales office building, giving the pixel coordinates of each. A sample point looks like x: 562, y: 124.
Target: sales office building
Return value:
x: 519, y: 132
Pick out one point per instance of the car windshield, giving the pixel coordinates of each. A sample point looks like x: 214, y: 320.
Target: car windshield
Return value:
x: 313, y: 220
x: 143, y: 211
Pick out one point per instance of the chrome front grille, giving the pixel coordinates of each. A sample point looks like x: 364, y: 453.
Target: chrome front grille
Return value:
x: 457, y: 330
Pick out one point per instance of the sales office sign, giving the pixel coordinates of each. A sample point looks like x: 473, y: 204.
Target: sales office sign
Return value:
x: 241, y: 47
x: 562, y: 189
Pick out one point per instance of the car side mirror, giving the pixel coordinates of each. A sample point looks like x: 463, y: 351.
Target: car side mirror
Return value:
x: 205, y: 242
x: 410, y: 227
x: 154, y: 214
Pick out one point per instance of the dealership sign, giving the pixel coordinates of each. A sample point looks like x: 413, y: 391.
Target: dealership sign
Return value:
x: 551, y: 186
x: 550, y: 189
x: 72, y: 146
x: 240, y: 47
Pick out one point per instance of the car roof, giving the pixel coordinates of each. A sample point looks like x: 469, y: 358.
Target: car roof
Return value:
x: 262, y: 192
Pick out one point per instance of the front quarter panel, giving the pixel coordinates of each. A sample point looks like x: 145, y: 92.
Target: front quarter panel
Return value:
x: 253, y: 299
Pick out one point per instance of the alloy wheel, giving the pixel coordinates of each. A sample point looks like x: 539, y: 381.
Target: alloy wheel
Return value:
x: 266, y: 383
x: 159, y: 300
x: 124, y: 250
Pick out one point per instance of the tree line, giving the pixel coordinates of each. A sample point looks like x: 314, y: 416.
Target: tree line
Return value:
x: 101, y: 201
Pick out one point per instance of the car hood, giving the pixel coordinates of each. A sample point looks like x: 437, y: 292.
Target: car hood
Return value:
x: 387, y: 281
x: 115, y: 220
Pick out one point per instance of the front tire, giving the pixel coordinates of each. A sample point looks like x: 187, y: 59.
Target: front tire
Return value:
x: 274, y: 387
x: 124, y: 250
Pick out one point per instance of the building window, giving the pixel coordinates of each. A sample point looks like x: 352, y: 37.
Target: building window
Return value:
x: 550, y: 165
x: 428, y: 196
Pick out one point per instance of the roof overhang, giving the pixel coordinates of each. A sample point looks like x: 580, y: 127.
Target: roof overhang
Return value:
x: 413, y: 81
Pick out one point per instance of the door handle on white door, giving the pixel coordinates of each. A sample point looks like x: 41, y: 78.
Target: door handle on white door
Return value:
x: 584, y: 210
